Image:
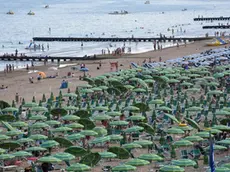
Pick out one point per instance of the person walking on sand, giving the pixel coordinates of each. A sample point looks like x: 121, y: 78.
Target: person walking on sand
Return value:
x: 16, y: 53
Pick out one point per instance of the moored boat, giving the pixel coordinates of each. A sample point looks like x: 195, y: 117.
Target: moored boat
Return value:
x: 10, y: 12
x: 31, y: 13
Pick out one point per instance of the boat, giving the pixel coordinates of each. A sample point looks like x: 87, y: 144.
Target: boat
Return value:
x: 119, y: 13
x: 217, y: 42
x: 31, y: 13
x: 10, y: 12
x: 47, y: 6
x: 185, y: 9
x: 147, y: 2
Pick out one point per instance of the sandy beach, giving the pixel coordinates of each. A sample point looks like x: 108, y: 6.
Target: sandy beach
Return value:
x: 18, y: 81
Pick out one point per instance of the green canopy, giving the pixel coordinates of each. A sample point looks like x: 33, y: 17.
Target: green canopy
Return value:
x: 224, y: 142
x: 49, y: 159
x: 164, y: 108
x: 101, y: 117
x: 222, y: 112
x: 69, y: 95
x: 221, y: 127
x: 13, y: 133
x: 39, y: 109
x: 101, y: 108
x: 139, y: 90
x: 184, y: 162
x: 119, y: 123
x: 182, y: 143
x: 30, y: 105
x: 21, y: 154
x: 175, y: 131
x: 96, y: 89
x: 39, y: 125
x: 131, y: 109
x: 150, y: 157
x: 131, y: 146
x: 107, y: 155
x: 78, y: 167
x: 216, y: 147
x: 25, y: 140
x: 121, y: 168
x: 64, y: 156
x: 136, y: 118
x: 172, y: 117
x: 6, y: 156
x: 88, y: 133
x: 137, y: 162
x: 203, y: 134
x: 101, y: 131
x: 171, y: 168
x: 70, y: 118
x: 157, y: 101
x: 115, y: 137
x: 52, y: 122
x: 114, y: 113
x: 3, y: 137
x: 143, y: 142
x: 10, y: 109
x: 49, y: 144
x: 100, y: 140
x: 215, y: 92
x: 222, y: 169
x: 194, y: 138
x: 70, y: 108
x: 35, y: 148
x: 133, y: 129
x: 75, y: 126
x: 38, y: 137
x: 19, y: 124
x: 62, y: 129
x: 76, y: 136
x: 194, y: 109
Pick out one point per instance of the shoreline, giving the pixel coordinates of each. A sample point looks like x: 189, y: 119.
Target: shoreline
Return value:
x: 18, y: 82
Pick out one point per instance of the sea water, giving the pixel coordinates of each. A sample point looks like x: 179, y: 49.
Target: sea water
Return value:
x: 81, y: 18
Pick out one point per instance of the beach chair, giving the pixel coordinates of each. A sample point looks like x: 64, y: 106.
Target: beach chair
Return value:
x: 195, y: 153
x: 184, y: 154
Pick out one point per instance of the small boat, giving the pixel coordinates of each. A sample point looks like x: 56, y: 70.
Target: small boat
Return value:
x: 119, y: 13
x: 185, y: 9
x: 217, y: 42
x: 47, y: 6
x: 31, y: 13
x: 147, y: 2
x: 10, y: 12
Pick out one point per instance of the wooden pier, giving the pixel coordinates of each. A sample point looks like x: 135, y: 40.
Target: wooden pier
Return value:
x: 211, y: 18
x: 112, y: 39
x: 217, y: 27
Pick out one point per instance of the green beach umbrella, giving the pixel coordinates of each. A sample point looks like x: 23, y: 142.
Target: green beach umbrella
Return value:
x: 6, y: 156
x: 130, y: 87
x: 2, y: 151
x: 70, y: 118
x: 171, y: 168
x: 85, y: 86
x: 215, y: 92
x: 136, y: 118
x: 183, y: 162
x: 203, y: 134
x: 101, y: 131
x: 76, y: 136
x: 224, y: 142
x: 10, y: 109
x: 75, y: 126
x: 101, y: 108
x: 49, y: 159
x: 137, y: 162
x: 101, y: 117
x: 133, y: 129
x: 69, y: 95
x: 96, y: 89
x: 70, y: 108
x: 221, y: 127
x: 37, y: 117
x: 172, y: 117
x: 131, y: 146
x: 88, y: 133
x: 35, y: 148
x: 64, y: 156
x: 193, y: 90
x: 218, y: 75
x: 115, y: 137
x: 52, y: 122
x: 182, y: 143
x: 186, y: 84
x: 157, y: 101
x: 19, y: 124
x: 194, y: 138
x: 119, y: 123
x: 139, y: 90
x: 143, y: 142
x: 78, y: 167
x: 39, y: 109
x: 131, y: 109
x: 103, y: 87
x: 100, y: 140
x: 114, y: 113
x: 49, y: 144
x: 25, y: 140
x: 185, y: 128
x: 194, y: 109
x: 222, y: 112
x: 21, y: 154
x: 164, y: 108
x: 106, y: 155
x: 39, y: 125
x: 62, y: 129
x: 38, y: 137
x: 30, y: 105
x: 175, y: 131
x: 4, y: 137
x: 226, y: 165
x: 86, y: 91
x: 13, y: 133
x: 216, y: 147
x: 215, y: 131
x: 150, y: 157
x: 124, y: 167
x: 222, y: 169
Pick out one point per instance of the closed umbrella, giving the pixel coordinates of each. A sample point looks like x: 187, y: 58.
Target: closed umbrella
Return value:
x: 78, y: 167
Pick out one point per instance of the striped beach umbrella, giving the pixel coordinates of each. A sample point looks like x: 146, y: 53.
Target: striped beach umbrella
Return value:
x: 38, y: 137
x: 6, y: 156
x: 101, y: 117
x: 100, y: 140
x: 52, y: 122
x: 19, y: 124
x: 10, y: 109
x: 143, y: 142
x: 182, y: 143
x: 49, y: 144
x: 76, y: 136
x: 64, y: 156
x: 3, y: 137
x: 114, y: 113
x: 101, y: 131
x: 30, y: 105
x: 75, y: 126
x: 175, y: 131
x: 25, y: 140
x: 171, y: 168
x: 62, y: 129
x: 21, y: 154
x: 203, y: 134
x: 13, y: 133
x: 106, y: 155
x: 35, y: 148
x: 133, y: 129
x: 194, y: 138
x: 49, y: 159
x: 39, y: 109
x: 88, y: 133
x: 124, y: 167
x: 184, y: 162
x: 118, y: 123
x: 150, y: 157
x: 136, y: 118
x: 216, y: 147
x: 131, y: 146
x: 70, y: 118
x: 39, y: 125
x: 115, y: 137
